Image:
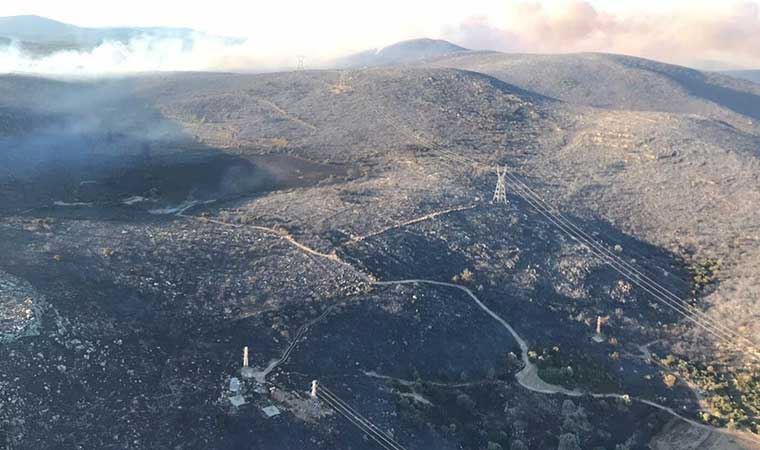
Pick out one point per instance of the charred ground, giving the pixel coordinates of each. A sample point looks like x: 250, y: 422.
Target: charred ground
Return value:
x: 156, y: 259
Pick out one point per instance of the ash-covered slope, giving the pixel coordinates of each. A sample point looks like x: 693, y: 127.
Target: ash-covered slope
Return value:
x: 328, y: 117
x: 620, y: 82
x: 600, y: 162
x: 340, y: 116
x: 274, y: 199
x: 160, y: 303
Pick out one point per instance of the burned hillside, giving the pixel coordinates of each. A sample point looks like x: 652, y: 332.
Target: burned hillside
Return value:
x: 339, y: 223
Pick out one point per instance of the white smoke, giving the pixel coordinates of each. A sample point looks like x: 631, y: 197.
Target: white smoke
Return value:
x: 144, y: 53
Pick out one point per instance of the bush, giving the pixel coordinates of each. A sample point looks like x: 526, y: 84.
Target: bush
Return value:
x: 464, y: 401
x: 568, y: 441
x: 465, y: 277
x: 670, y: 380
x: 518, y: 445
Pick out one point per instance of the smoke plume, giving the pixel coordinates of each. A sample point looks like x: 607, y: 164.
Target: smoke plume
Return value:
x: 146, y: 53
x: 694, y: 35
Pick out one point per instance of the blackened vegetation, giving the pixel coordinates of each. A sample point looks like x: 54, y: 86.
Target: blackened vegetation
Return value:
x: 573, y: 369
x: 494, y: 415
x: 149, y: 309
x: 4, y: 435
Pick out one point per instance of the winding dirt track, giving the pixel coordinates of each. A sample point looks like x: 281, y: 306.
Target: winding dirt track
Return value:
x: 430, y: 216
x: 528, y: 376
x: 284, y: 113
x: 280, y: 234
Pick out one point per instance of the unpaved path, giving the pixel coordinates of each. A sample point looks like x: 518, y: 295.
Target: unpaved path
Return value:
x: 278, y: 233
x: 430, y: 216
x: 528, y: 376
x: 408, y: 383
x: 284, y: 113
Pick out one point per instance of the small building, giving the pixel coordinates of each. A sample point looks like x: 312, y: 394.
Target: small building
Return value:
x: 237, y: 400
x: 234, y: 385
x: 271, y: 411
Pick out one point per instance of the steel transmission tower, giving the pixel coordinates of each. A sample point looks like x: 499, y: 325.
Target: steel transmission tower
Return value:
x: 500, y: 194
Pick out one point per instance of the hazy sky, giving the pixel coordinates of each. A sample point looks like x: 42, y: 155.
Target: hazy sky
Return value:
x: 674, y: 30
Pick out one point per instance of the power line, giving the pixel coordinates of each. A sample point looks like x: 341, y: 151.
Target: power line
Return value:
x: 355, y: 417
x: 363, y: 427
x: 630, y: 272
x: 347, y: 406
x: 637, y: 274
x: 549, y: 212
x: 657, y: 291
x: 595, y: 249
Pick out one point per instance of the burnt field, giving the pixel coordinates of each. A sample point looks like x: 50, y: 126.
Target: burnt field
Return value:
x: 146, y: 335
x: 549, y: 287
x: 161, y: 185
x: 146, y: 314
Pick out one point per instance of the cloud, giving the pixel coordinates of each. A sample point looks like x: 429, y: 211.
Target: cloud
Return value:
x: 682, y: 36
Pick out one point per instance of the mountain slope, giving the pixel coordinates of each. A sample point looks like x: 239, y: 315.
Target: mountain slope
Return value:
x: 399, y: 53
x: 600, y: 162
x: 297, y: 188
x: 749, y: 75
x: 39, y: 29
x: 620, y: 82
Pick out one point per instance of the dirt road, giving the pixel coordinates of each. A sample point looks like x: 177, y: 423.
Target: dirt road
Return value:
x: 529, y: 379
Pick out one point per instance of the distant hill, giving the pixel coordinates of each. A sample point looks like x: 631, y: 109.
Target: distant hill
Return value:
x: 401, y: 52
x: 40, y: 29
x: 750, y: 75
x: 40, y: 35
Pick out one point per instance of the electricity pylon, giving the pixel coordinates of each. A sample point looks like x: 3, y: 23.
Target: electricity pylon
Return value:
x: 500, y: 194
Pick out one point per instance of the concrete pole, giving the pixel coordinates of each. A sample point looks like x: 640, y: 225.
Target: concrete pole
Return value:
x: 314, y: 385
x: 598, y: 325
